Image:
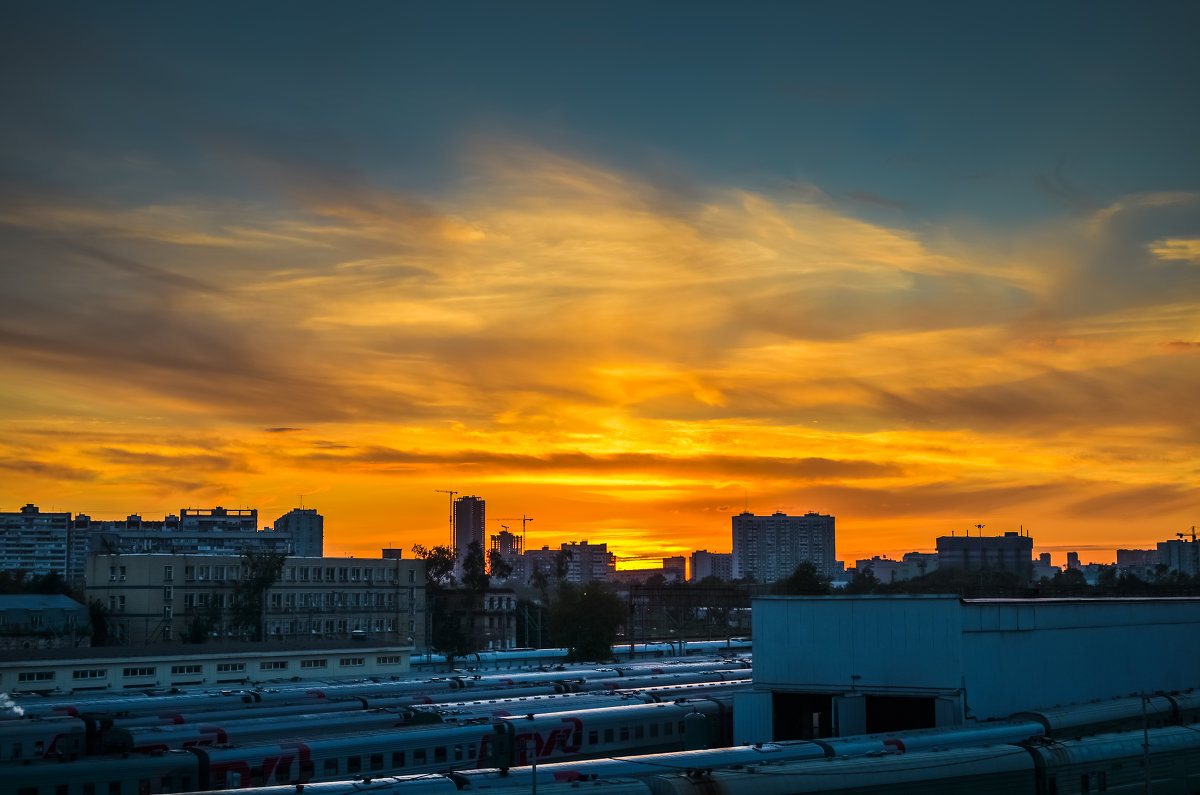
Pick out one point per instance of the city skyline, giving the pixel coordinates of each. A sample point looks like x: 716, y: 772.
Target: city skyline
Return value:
x: 626, y: 269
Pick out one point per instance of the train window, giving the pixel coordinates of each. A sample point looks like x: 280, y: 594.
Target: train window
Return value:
x: 593, y: 737
x: 166, y: 785
x: 668, y: 728
x: 639, y: 732
x: 458, y: 753
x: 1084, y: 789
x: 114, y: 788
x: 377, y: 761
x: 89, y: 788
x: 439, y: 754
x: 576, y: 739
x: 354, y: 764
x: 397, y: 759
x: 307, y: 770
x: 283, y: 772
x: 653, y: 729
x: 331, y: 767
x: 143, y: 786
x: 624, y: 732
x: 419, y: 756
x: 27, y: 791
x: 608, y: 735
x: 61, y: 789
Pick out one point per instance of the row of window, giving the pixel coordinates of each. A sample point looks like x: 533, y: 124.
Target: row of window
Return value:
x: 344, y: 574
x: 290, y: 573
x: 338, y: 626
x: 222, y: 668
x: 98, y: 673
x: 337, y: 599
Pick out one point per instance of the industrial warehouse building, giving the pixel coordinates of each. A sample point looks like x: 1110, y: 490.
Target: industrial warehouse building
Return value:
x: 848, y: 665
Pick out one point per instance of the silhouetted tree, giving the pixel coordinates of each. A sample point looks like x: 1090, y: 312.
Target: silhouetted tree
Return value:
x: 98, y: 619
x: 439, y: 565
x: 204, y: 621
x: 260, y: 570
x: 562, y: 564
x: 585, y: 620
x: 864, y: 581
x: 475, y: 577
x: 805, y: 580
x: 498, y: 567
x: 540, y: 580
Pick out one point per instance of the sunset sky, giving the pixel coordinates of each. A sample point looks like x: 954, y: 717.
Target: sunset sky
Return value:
x: 625, y: 268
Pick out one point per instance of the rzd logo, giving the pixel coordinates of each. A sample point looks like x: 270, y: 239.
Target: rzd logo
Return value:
x: 559, y: 741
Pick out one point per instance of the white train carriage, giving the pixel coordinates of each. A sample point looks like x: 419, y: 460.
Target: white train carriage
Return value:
x: 37, y: 737
x: 510, y: 742
x: 175, y: 771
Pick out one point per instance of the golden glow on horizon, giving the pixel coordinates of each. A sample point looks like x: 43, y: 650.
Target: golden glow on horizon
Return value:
x: 624, y: 365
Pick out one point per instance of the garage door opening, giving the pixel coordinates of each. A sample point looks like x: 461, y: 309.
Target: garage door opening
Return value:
x: 801, y: 716
x: 896, y: 713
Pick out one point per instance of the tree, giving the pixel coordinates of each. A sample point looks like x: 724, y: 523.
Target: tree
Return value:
x: 498, y: 567
x: 864, y: 581
x: 98, y: 619
x: 204, y: 621
x: 260, y: 570
x: 585, y: 620
x: 562, y: 564
x: 540, y: 580
x: 446, y: 606
x: 806, y: 580
x: 475, y: 577
x: 439, y: 565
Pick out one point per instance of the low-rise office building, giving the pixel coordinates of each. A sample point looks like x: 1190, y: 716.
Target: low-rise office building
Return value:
x: 155, y: 598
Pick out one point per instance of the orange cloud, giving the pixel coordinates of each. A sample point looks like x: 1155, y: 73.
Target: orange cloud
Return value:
x: 572, y: 342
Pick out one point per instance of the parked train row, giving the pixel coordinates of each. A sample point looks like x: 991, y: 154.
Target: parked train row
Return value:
x: 559, y: 679
x: 510, y: 741
x: 510, y: 658
x: 1049, y: 751
x: 1113, y: 762
x: 131, y: 725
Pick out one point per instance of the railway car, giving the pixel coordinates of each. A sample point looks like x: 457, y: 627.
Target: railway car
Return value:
x: 722, y: 689
x: 1097, y: 717
x: 510, y: 742
x: 37, y: 737
x: 740, y: 757
x: 146, y: 739
x: 174, y: 771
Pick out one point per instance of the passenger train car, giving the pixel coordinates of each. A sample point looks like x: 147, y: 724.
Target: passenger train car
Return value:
x: 511, y: 741
x: 68, y: 729
x: 1113, y: 762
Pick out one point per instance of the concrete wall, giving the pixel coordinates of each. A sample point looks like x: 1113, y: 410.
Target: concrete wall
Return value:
x: 1045, y: 652
x: 819, y: 643
x: 995, y: 657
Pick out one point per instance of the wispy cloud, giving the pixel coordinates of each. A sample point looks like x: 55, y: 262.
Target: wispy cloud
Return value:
x: 570, y: 335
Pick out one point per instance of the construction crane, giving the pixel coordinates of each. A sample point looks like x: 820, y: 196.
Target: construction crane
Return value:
x: 522, y: 519
x: 1185, y: 535
x: 451, y: 493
